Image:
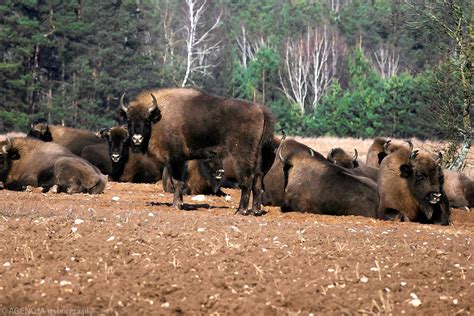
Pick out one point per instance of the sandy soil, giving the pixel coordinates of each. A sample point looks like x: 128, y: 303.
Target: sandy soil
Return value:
x: 127, y: 251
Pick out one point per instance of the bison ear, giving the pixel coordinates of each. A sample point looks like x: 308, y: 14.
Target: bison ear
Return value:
x: 406, y: 171
x: 381, y: 156
x: 14, y: 154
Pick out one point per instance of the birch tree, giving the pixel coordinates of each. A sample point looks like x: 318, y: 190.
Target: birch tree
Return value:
x: 201, y: 47
x: 310, y: 65
x: 386, y: 61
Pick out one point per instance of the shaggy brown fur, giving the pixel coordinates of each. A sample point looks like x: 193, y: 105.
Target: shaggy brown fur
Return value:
x: 410, y: 187
x: 184, y: 124
x: 30, y: 162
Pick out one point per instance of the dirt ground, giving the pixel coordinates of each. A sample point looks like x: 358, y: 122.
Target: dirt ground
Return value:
x: 127, y: 252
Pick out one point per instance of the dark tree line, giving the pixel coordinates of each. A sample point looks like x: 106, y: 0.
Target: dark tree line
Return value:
x: 339, y: 67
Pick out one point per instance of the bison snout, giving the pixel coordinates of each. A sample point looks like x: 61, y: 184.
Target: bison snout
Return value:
x: 434, y: 197
x: 115, y: 157
x: 219, y: 174
x: 137, y: 139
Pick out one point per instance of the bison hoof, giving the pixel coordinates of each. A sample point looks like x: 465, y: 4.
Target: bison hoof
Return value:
x: 242, y: 212
x: 257, y: 212
x: 178, y: 206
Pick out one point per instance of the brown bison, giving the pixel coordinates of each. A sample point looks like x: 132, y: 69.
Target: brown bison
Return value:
x: 128, y: 166
x: 410, y: 188
x: 202, y: 176
x: 177, y: 125
x: 313, y: 184
x: 30, y: 162
x: 339, y: 157
x: 459, y: 189
x: 274, y: 180
x: 72, y: 138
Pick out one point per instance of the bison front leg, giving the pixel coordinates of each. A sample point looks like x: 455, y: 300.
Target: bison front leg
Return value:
x: 257, y: 195
x: 245, y: 187
x: 178, y: 173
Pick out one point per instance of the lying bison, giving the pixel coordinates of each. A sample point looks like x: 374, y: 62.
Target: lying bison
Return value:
x: 313, y: 184
x: 128, y: 166
x: 72, y: 138
x: 339, y: 157
x: 459, y: 189
x: 410, y: 187
x: 30, y: 162
x: 177, y: 125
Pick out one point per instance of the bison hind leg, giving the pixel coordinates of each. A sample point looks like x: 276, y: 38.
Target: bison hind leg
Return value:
x: 390, y: 214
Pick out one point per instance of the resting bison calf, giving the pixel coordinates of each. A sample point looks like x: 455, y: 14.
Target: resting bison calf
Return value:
x: 203, y: 176
x: 30, y: 162
x: 410, y: 187
x: 313, y: 184
x: 340, y: 158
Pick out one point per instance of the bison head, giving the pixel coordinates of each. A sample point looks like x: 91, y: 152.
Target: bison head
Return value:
x: 7, y: 154
x: 425, y: 178
x: 118, y: 140
x: 212, y: 169
x: 140, y: 117
x: 339, y: 157
x: 40, y: 130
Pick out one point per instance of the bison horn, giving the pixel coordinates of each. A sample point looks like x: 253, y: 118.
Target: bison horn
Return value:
x: 312, y: 152
x: 410, y: 145
x: 155, y: 104
x: 413, y: 155
x: 385, y: 147
x: 122, y: 106
x: 356, y: 154
x: 6, y: 148
x: 439, y: 158
x: 330, y: 157
x: 283, y: 134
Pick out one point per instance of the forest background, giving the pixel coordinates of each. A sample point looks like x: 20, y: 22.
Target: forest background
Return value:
x: 325, y: 67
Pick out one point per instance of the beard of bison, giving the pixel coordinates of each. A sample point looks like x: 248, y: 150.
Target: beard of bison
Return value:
x: 139, y: 124
x: 417, y: 195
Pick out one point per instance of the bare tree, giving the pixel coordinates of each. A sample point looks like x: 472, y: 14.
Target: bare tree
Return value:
x: 310, y: 65
x: 248, y: 48
x: 200, y: 45
x: 386, y: 61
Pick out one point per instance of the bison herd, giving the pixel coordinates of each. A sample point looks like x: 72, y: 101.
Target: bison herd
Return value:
x: 197, y: 143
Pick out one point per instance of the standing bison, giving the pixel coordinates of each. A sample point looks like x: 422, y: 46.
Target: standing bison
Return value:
x: 410, y: 187
x: 177, y: 125
x: 30, y: 162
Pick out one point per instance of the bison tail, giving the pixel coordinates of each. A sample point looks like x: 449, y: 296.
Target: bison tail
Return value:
x: 268, y: 144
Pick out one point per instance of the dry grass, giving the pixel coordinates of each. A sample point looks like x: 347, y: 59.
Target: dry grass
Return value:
x: 11, y: 135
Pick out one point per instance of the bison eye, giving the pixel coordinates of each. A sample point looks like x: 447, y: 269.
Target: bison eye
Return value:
x: 420, y: 177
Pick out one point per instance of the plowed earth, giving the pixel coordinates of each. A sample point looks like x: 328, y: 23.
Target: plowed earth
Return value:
x: 128, y: 251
